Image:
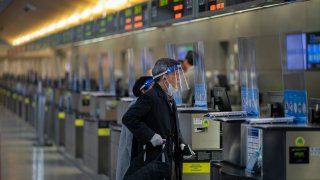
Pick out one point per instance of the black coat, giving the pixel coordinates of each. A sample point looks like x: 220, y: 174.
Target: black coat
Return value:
x: 152, y: 113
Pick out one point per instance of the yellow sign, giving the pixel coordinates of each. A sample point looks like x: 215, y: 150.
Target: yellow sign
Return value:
x: 104, y: 132
x: 26, y: 101
x: 61, y: 115
x: 79, y: 123
x: 14, y: 96
x: 46, y: 108
x: 196, y: 167
x: 87, y: 97
x: 114, y: 103
x: 300, y: 141
x: 205, y: 122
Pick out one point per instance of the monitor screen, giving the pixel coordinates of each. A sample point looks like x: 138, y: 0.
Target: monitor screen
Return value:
x: 275, y: 103
x: 221, y: 99
x: 182, y: 50
x: 296, y: 51
x: 313, y: 46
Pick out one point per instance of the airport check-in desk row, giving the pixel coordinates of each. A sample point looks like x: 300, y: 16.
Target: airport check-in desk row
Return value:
x: 88, y: 125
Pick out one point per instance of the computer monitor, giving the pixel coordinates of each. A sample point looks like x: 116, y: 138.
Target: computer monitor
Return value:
x: 275, y: 103
x: 313, y: 51
x: 314, y: 110
x: 223, y: 81
x: 221, y: 99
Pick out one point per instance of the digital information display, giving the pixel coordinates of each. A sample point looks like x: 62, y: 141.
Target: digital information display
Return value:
x: 55, y: 39
x: 44, y: 42
x: 133, y: 18
x: 165, y: 10
x: 78, y: 30
x: 67, y: 35
x: 313, y: 51
x: 107, y: 24
x: 216, y: 5
x: 88, y: 29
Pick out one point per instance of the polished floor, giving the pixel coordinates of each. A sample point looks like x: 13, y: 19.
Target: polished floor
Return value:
x: 20, y: 160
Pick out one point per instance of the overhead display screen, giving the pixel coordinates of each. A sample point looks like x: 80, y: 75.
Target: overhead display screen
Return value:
x: 215, y: 5
x: 296, y: 51
x: 107, y: 24
x: 88, y: 29
x: 313, y: 51
x: 55, y: 39
x: 78, y: 32
x: 165, y: 10
x: 133, y: 18
x: 67, y: 35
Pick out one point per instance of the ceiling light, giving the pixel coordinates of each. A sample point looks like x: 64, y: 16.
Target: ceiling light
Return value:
x: 112, y: 4
x: 85, y: 14
x: 74, y: 18
x: 98, y: 9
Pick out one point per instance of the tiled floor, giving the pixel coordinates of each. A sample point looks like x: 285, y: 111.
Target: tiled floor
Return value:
x: 20, y: 160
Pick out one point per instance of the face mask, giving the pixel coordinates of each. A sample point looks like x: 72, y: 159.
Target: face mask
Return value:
x: 171, y: 89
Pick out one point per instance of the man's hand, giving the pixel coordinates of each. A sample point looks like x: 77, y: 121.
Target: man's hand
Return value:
x: 187, y: 152
x: 157, y: 140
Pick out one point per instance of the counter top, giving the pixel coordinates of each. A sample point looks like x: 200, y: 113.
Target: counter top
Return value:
x: 193, y: 110
x: 288, y: 127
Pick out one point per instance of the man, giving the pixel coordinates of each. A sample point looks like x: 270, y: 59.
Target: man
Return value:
x: 142, y: 85
x: 187, y: 66
x: 153, y: 118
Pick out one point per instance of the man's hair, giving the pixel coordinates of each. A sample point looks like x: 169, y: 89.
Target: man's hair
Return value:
x: 137, y: 85
x: 189, y: 57
x: 162, y: 65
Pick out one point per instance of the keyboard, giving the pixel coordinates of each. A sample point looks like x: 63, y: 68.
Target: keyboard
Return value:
x: 230, y: 114
x: 280, y: 120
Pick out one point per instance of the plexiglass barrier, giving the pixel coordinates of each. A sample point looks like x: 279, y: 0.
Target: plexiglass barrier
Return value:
x: 293, y: 58
x: 100, y: 57
x: 248, y: 76
x: 131, y: 73
x: 112, y: 82
x: 200, y: 89
x: 146, y: 61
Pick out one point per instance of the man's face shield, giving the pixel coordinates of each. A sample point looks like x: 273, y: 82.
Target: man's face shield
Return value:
x: 175, y: 76
x: 147, y: 85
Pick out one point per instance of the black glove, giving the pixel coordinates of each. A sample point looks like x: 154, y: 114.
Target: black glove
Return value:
x: 187, y: 152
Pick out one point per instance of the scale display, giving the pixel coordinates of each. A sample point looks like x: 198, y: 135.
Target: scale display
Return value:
x: 133, y: 18
x: 313, y: 51
x: 107, y: 24
x: 165, y: 10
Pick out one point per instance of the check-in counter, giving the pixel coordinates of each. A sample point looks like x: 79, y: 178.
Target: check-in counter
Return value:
x: 75, y: 125
x: 273, y: 151
x: 122, y: 108
x: 204, y: 137
x: 26, y: 103
x: 49, y: 113
x: 97, y: 145
x: 115, y: 139
x: 97, y: 132
x: 60, y: 118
